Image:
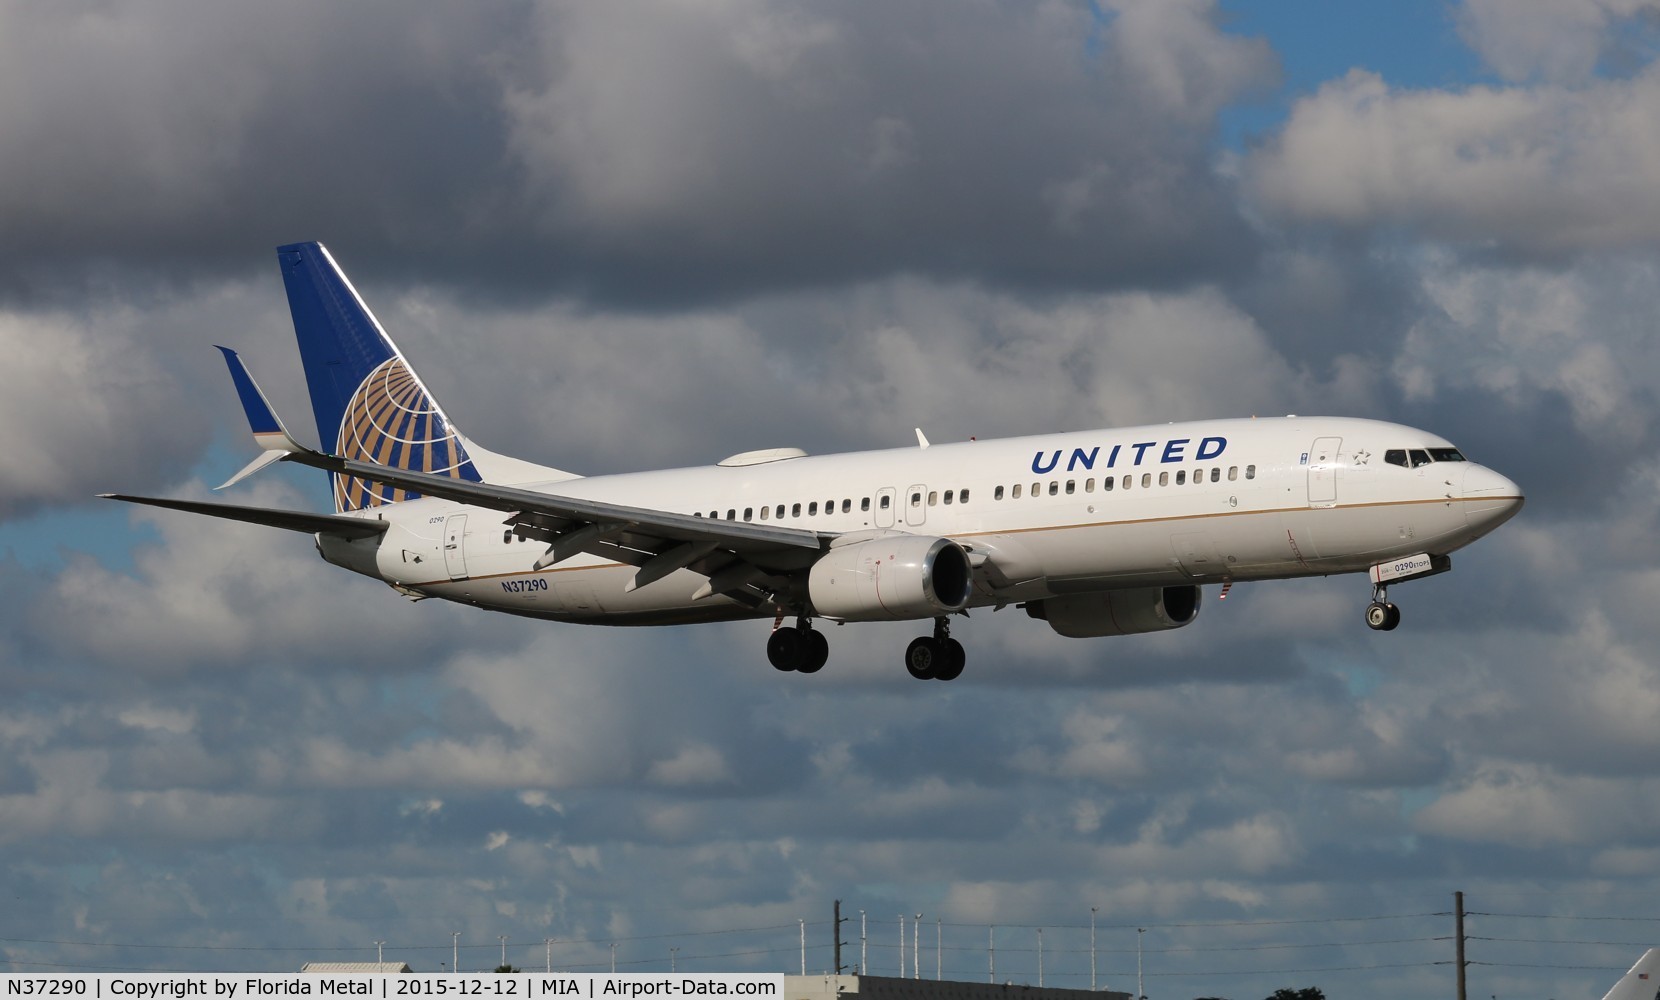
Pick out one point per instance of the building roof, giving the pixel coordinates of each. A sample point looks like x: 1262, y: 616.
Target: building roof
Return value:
x: 370, y: 967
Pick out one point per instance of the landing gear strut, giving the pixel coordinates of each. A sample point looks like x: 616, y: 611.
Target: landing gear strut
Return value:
x: 800, y: 648
x: 937, y: 657
x: 1381, y: 616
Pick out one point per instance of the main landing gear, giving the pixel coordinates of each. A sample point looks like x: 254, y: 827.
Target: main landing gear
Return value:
x: 800, y: 648
x: 1381, y: 616
x: 936, y: 657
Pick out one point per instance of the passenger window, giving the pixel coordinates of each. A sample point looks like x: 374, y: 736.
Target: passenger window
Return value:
x: 1129, y: 481
x: 887, y: 501
x: 764, y: 512
x: 847, y: 506
x: 997, y: 494
x: 933, y: 498
x: 812, y: 509
x: 1054, y: 487
x: 949, y: 494
x: 1089, y: 485
x: 1181, y: 477
x: 795, y: 511
x: 1146, y: 480
x: 1250, y: 472
x: 1037, y: 489
x: 1216, y: 474
x: 916, y: 499
x: 507, y: 536
x: 1396, y: 456
x: 1016, y: 494
x: 731, y: 514
x: 864, y: 503
x: 1233, y: 473
x: 962, y: 497
x: 1164, y: 479
x: 779, y: 513
x: 1106, y: 484
x: 749, y: 513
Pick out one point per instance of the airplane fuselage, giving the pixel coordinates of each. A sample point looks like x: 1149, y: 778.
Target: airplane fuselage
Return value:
x: 1059, y: 514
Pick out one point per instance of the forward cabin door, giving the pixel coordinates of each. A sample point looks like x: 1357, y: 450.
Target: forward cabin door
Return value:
x: 455, y: 556
x: 1322, y: 472
x: 916, y: 506
x: 884, y: 507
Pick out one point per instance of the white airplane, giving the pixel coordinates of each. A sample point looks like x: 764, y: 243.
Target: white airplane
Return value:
x: 1642, y: 982
x: 1097, y: 533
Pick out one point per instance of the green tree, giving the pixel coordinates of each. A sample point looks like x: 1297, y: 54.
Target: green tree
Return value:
x: 1306, y: 993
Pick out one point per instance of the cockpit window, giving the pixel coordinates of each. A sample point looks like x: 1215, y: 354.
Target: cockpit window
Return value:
x: 1421, y: 456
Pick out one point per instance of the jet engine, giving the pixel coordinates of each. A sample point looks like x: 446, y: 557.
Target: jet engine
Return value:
x: 1118, y: 612
x: 891, y: 577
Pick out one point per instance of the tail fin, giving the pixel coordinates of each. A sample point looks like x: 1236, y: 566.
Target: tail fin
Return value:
x: 1642, y: 982
x: 369, y: 404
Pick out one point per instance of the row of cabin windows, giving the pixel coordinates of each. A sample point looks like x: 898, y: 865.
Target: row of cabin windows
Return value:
x: 1109, y: 483
x: 883, y: 502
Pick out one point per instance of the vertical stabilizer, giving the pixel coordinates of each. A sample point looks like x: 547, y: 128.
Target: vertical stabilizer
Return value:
x: 1642, y: 982
x: 369, y: 404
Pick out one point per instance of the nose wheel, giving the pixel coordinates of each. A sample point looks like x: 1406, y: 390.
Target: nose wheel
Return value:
x: 936, y: 657
x: 801, y: 649
x: 1382, y: 616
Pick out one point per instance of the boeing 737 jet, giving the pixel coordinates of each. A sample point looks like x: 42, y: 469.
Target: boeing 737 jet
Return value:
x: 1097, y: 533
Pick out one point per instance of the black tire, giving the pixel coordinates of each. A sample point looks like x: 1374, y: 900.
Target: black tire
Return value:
x: 786, y: 649
x: 951, y: 662
x: 1393, y: 619
x: 1377, y: 616
x: 815, y: 651
x: 921, y: 657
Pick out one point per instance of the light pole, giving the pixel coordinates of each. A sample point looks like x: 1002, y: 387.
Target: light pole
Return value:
x: 548, y: 942
x: 864, y: 964
x: 1092, y: 949
x: 1140, y: 987
x: 902, y: 946
x: 991, y: 954
x: 803, y: 924
x: 503, y: 950
x: 1040, y: 958
x: 939, y: 941
x: 455, y: 951
x: 379, y: 958
x: 916, y: 947
x: 613, y: 958
x: 671, y: 958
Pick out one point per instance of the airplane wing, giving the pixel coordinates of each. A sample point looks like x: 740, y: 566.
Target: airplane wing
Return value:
x: 293, y: 520
x: 742, y: 559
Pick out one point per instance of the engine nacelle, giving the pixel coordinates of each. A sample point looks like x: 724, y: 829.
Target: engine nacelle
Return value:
x: 1119, y: 612
x: 891, y: 577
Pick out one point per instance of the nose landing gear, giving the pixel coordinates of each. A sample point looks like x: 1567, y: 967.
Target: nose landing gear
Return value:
x: 1382, y: 616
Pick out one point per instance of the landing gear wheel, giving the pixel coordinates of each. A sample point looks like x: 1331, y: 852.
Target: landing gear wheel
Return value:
x: 815, y: 652
x: 786, y: 649
x: 922, y: 656
x: 1382, y: 616
x: 952, y: 658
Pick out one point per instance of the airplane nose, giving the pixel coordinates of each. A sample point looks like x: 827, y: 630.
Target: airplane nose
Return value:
x: 1490, y: 499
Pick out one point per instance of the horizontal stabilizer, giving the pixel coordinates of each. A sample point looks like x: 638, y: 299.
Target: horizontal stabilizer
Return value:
x: 292, y: 520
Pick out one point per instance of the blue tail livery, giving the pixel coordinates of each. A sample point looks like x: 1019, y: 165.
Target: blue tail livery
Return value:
x: 369, y: 404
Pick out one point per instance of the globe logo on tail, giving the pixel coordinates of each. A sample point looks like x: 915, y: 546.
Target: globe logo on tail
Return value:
x: 392, y: 421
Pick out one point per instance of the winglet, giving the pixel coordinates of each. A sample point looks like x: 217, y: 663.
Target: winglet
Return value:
x: 921, y: 439
x: 267, y: 428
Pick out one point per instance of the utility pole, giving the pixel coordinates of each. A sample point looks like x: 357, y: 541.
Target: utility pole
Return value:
x: 1092, y: 949
x: 864, y: 958
x: 455, y: 951
x: 1140, y: 987
x: 1040, y: 958
x: 916, y: 947
x: 1458, y: 909
x: 902, y: 946
x: 549, y: 943
x: 836, y: 928
x: 803, y: 945
x: 939, y: 947
x: 379, y: 958
x: 991, y: 953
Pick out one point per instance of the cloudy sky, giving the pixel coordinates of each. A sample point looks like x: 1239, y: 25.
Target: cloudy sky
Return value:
x: 622, y: 236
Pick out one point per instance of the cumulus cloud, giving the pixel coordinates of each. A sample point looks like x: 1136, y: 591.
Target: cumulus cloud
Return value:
x: 1559, y: 40
x: 1544, y: 171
